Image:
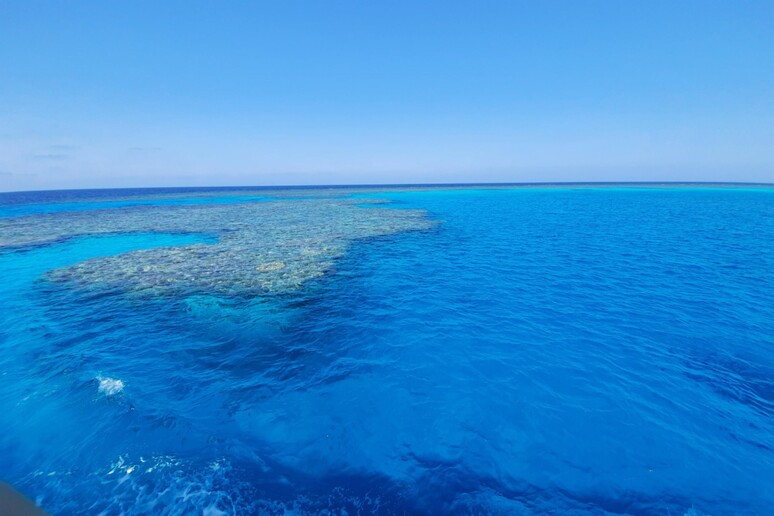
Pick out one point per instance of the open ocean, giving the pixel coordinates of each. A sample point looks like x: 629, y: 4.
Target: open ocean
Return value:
x: 547, y: 349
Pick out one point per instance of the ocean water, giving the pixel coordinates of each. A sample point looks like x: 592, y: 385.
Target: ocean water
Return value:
x: 541, y: 350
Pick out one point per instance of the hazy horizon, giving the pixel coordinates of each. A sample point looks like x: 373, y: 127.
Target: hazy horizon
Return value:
x: 503, y: 184
x: 299, y: 93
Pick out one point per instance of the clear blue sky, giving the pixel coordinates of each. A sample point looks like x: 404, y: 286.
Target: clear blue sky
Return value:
x: 103, y: 94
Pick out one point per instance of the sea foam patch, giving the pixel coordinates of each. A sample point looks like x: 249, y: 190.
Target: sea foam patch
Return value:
x: 109, y: 386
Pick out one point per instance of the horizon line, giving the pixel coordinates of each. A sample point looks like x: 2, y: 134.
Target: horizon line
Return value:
x: 396, y: 185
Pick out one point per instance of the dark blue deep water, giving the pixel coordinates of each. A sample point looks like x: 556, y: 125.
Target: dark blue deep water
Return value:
x: 540, y: 350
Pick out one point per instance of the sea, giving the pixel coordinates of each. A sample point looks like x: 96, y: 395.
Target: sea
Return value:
x: 597, y: 349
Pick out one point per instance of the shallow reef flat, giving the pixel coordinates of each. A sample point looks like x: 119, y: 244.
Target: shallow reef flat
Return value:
x: 266, y: 247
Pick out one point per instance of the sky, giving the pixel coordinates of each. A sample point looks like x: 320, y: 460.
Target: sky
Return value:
x: 133, y: 93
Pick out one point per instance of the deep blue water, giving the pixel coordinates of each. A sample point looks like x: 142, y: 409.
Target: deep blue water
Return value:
x: 540, y: 350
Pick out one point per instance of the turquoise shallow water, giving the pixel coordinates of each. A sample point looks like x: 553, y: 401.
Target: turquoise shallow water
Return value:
x: 534, y: 350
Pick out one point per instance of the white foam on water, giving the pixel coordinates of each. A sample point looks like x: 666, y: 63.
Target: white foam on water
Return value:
x: 110, y: 386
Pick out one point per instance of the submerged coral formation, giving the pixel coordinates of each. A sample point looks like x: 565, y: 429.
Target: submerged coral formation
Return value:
x: 258, y: 247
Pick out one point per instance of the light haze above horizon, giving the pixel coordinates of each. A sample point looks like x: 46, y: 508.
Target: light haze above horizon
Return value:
x: 149, y: 94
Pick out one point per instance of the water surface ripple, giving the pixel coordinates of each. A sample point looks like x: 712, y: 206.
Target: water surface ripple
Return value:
x: 502, y: 351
